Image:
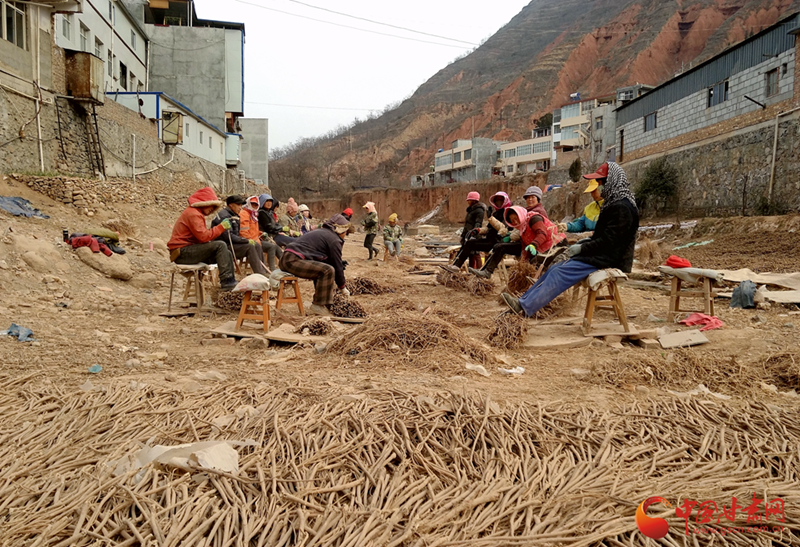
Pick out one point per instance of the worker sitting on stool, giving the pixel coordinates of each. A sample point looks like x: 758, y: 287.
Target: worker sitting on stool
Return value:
x: 318, y: 256
x: 611, y: 245
x: 193, y: 243
x: 242, y: 247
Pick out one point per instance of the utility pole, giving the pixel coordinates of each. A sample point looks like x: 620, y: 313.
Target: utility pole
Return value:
x: 189, y: 13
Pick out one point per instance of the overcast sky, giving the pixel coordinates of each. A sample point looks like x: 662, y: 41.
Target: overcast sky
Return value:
x: 331, y: 74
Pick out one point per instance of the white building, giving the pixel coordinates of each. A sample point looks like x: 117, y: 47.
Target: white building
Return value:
x: 108, y: 30
x: 527, y: 156
x: 197, y: 136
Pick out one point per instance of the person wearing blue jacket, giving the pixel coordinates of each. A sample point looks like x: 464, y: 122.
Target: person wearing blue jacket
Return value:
x: 591, y: 212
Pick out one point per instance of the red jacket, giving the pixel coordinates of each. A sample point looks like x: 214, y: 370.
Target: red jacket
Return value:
x: 190, y: 228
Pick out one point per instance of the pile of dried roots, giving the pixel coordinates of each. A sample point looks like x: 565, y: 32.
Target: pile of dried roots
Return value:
x: 385, y: 468
x: 509, y: 331
x: 410, y: 337
x: 649, y: 254
x: 401, y: 303
x: 519, y: 277
x: 685, y: 369
x: 406, y: 259
x: 316, y: 326
x: 364, y: 285
x: 227, y: 300
x: 480, y: 286
x: 346, y: 307
x: 452, y: 280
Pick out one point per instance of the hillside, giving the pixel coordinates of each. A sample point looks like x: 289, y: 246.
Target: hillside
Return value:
x: 530, y: 66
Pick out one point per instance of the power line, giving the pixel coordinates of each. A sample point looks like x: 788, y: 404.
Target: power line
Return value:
x: 348, y: 26
x: 315, y: 107
x: 380, y: 23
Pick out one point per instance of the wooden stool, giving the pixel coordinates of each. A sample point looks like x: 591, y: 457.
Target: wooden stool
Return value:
x: 297, y: 299
x: 595, y: 283
x: 676, y: 293
x: 256, y: 309
x: 193, y: 293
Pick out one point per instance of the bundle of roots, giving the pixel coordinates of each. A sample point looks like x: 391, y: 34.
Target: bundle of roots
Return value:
x: 418, y: 339
x: 509, y: 331
x: 125, y: 228
x: 401, y: 303
x: 345, y: 307
x: 480, y: 286
x: 451, y: 280
x: 316, y: 326
x: 405, y: 259
x: 649, y: 254
x: 227, y: 300
x: 520, y: 277
x: 363, y: 285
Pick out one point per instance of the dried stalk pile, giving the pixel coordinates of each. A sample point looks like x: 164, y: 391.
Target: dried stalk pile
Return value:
x: 346, y: 307
x: 649, y: 254
x: 364, y: 285
x: 406, y: 259
x: 401, y: 303
x: 388, y: 469
x: 125, y: 228
x: 421, y: 340
x: 227, y: 300
x: 509, y: 331
x: 685, y: 369
x: 518, y: 275
x: 480, y: 286
x: 317, y: 326
x: 558, y: 306
x: 452, y: 280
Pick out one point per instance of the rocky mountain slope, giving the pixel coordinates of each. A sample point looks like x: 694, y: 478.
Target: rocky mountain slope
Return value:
x: 529, y: 67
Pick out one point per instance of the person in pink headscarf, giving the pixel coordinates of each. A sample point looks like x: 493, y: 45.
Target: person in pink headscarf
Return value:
x: 484, y: 238
x: 371, y: 228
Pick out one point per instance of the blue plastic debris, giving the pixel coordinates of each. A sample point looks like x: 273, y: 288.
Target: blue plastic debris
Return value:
x: 20, y: 207
x: 22, y: 334
x: 94, y: 369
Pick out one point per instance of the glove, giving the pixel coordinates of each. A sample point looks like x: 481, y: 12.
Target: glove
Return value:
x: 251, y: 241
x: 296, y: 234
x: 506, y: 239
x: 573, y: 250
x: 584, y: 240
x: 562, y: 227
x: 344, y: 264
x: 285, y: 229
x: 345, y: 292
x: 226, y: 224
x: 531, y: 249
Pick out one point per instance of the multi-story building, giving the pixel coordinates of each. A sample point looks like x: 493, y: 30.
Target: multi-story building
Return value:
x: 109, y: 31
x: 602, y: 130
x: 467, y: 160
x: 527, y: 156
x: 255, y: 148
x: 184, y: 46
x: 571, y: 124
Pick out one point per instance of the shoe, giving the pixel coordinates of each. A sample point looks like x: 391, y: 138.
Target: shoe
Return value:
x: 483, y: 274
x: 228, y: 284
x: 316, y: 309
x: 449, y: 268
x: 513, y: 303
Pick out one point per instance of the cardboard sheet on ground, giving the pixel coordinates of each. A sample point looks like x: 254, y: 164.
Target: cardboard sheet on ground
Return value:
x: 682, y: 339
x: 556, y: 337
x: 786, y: 280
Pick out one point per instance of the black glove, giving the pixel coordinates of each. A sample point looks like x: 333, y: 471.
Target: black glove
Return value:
x: 344, y: 264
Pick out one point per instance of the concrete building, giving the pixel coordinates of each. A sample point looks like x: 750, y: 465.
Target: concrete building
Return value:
x: 746, y: 78
x: 631, y: 92
x: 255, y: 148
x: 196, y: 135
x: 109, y: 31
x: 602, y: 130
x: 526, y: 156
x: 183, y: 47
x: 571, y: 124
x: 467, y: 160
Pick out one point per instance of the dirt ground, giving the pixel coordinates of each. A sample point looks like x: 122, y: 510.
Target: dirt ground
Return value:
x: 81, y: 318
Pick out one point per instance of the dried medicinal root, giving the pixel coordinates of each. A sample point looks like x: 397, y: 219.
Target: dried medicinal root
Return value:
x: 363, y: 285
x: 346, y: 307
x: 520, y: 276
x: 229, y: 300
x: 317, y: 326
x: 452, y: 280
x: 509, y: 331
x: 480, y: 286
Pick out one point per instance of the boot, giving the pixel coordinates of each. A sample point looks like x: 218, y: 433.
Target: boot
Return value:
x: 450, y: 268
x: 228, y: 284
x: 316, y: 309
x: 483, y: 274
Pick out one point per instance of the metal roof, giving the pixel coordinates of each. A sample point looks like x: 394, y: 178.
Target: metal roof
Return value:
x: 770, y: 42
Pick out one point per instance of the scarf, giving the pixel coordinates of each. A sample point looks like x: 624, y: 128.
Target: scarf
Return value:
x: 616, y: 187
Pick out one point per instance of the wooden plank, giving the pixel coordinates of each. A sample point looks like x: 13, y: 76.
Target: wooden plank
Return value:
x: 610, y: 329
x: 682, y: 339
x: 285, y: 333
x: 356, y: 320
x: 546, y: 337
x: 247, y: 331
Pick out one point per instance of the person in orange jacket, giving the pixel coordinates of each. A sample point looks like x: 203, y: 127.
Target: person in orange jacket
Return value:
x: 193, y: 243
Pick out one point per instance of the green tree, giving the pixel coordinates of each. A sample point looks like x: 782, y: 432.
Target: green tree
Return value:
x: 545, y: 121
x: 575, y: 170
x: 658, y: 187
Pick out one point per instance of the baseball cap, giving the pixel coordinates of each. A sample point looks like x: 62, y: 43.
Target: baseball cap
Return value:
x: 235, y: 200
x: 593, y: 184
x: 601, y: 173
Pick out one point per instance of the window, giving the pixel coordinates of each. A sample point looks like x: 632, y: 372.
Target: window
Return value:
x: 717, y: 94
x: 541, y: 147
x: 570, y: 132
x: 444, y: 160
x: 133, y: 82
x: 524, y: 150
x: 468, y: 154
x: 186, y: 131
x: 98, y: 48
x: 651, y: 121
x: 112, y: 11
x: 84, y: 38
x: 456, y: 157
x: 598, y: 148
x: 598, y: 122
x: 586, y: 106
x: 123, y: 76
x: 133, y: 40
x: 13, y: 22
x: 626, y: 95
x: 510, y: 168
x: 570, y: 111
x: 110, y: 63
x: 209, y: 141
x: 772, y: 82
x: 510, y: 153
x: 201, y: 137
x: 66, y: 26
x: 556, y: 128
